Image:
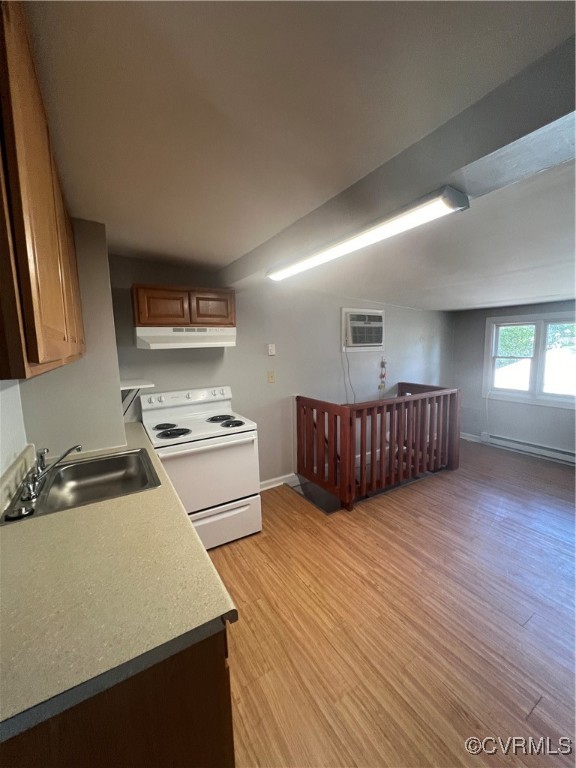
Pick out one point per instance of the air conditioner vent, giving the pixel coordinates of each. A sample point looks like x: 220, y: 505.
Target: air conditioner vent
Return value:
x: 363, y: 329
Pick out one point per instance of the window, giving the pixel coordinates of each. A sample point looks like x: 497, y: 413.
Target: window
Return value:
x: 531, y: 359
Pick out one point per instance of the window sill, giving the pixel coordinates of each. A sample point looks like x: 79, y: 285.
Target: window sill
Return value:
x: 549, y: 401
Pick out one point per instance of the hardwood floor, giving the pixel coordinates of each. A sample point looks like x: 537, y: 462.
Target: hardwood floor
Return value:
x: 388, y: 635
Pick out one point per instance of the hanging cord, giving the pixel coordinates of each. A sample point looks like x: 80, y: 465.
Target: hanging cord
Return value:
x: 349, y: 377
x: 344, y: 374
x: 342, y: 352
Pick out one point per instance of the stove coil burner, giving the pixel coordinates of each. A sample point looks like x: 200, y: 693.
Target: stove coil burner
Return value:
x: 167, y: 425
x: 232, y: 423
x: 220, y: 417
x: 171, y: 433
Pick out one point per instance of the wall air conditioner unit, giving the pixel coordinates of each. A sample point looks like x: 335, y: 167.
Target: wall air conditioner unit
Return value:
x: 363, y: 328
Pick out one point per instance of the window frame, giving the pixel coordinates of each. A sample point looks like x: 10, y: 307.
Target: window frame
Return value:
x: 535, y: 394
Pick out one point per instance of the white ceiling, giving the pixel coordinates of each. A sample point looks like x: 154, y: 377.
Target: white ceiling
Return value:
x: 199, y: 130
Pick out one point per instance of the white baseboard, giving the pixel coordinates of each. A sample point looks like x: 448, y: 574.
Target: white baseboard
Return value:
x: 291, y: 479
x: 543, y: 451
x: 470, y: 438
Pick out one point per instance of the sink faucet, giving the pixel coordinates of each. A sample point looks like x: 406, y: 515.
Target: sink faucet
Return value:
x: 40, y: 460
x: 33, y: 483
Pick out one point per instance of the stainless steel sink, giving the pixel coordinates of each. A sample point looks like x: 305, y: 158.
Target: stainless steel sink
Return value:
x: 76, y: 483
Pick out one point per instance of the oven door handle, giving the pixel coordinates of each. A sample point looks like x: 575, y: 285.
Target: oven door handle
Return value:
x: 167, y: 454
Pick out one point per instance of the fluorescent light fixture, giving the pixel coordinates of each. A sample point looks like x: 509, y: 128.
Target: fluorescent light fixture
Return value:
x: 438, y: 204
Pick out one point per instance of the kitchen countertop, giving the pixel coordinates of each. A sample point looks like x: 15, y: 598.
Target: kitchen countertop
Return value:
x: 95, y: 594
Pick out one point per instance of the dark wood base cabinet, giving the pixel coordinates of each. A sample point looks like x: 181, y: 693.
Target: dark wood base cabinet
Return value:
x: 175, y: 714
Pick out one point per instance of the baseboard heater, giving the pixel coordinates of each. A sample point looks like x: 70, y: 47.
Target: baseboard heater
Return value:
x: 539, y: 450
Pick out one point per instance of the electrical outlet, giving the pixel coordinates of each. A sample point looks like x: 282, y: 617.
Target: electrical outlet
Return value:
x: 271, y: 377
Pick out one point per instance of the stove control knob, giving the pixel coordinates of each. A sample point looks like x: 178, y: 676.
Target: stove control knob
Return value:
x: 161, y: 399
x: 214, y: 393
x: 189, y: 395
x: 222, y: 392
x: 151, y: 399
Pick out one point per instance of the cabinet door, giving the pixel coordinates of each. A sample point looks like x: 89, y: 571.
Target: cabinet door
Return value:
x: 72, y: 300
x: 32, y: 196
x: 161, y: 306
x: 12, y: 341
x: 175, y: 713
x: 212, y: 308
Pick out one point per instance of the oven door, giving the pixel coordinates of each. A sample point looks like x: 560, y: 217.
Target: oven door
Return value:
x: 215, y: 471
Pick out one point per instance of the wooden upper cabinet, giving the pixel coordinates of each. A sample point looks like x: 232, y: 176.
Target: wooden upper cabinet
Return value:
x: 161, y: 306
x: 212, y: 308
x: 43, y: 255
x: 172, y: 306
x: 72, y: 303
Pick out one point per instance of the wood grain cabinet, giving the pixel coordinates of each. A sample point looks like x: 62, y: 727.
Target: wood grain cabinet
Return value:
x: 41, y: 323
x: 69, y: 272
x: 212, y: 308
x: 172, y: 306
x: 161, y: 306
x: 176, y: 713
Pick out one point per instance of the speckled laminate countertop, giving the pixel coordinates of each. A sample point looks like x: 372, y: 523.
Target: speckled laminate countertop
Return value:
x: 92, y: 595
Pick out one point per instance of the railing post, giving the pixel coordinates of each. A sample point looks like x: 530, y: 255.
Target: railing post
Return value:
x: 299, y: 435
x: 454, y: 434
x: 347, y: 451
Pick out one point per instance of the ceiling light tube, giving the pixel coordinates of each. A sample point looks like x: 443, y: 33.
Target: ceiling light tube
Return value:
x: 440, y: 203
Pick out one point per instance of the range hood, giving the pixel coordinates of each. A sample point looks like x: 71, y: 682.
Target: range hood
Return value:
x: 184, y: 337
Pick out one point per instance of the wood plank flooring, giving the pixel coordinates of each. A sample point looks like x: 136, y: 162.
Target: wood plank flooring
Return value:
x: 388, y: 635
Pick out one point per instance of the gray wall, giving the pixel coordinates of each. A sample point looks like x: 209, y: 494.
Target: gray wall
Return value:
x: 540, y: 425
x: 12, y: 433
x: 305, y: 326
x: 80, y: 403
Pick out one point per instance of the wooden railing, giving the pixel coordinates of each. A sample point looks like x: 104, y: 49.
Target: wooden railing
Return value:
x: 357, y: 449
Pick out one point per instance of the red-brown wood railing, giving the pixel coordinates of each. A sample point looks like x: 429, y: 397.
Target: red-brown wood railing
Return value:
x: 355, y: 450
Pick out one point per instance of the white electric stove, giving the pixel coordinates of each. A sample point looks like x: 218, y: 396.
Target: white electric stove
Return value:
x: 210, y: 454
